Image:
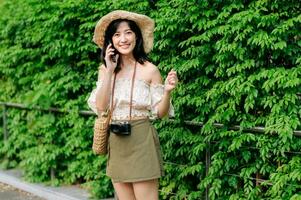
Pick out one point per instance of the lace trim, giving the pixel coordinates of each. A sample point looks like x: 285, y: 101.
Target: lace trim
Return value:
x: 155, y: 85
x: 146, y: 98
x: 123, y: 114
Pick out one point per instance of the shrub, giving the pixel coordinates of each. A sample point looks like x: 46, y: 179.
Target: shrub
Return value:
x: 238, y: 64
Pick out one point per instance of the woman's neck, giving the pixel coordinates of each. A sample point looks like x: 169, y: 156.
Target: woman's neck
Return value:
x: 127, y: 62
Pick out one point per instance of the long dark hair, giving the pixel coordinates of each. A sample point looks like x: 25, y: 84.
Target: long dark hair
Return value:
x: 138, y: 52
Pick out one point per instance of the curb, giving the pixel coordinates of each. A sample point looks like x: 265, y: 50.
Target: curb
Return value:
x: 47, y: 192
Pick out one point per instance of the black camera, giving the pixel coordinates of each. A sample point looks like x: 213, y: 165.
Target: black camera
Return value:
x: 121, y: 128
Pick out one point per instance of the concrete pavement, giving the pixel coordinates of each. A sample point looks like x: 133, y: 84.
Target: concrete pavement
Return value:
x: 13, y: 178
x: 8, y: 192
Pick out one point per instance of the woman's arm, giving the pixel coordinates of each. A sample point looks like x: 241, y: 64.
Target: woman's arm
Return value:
x: 105, y: 74
x: 103, y: 94
x: 164, y: 105
x: 169, y: 85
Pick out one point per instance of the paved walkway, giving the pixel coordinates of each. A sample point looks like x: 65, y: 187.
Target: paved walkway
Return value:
x: 7, y: 192
x: 13, y: 178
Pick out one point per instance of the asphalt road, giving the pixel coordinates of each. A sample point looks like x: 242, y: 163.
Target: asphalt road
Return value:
x: 8, y: 192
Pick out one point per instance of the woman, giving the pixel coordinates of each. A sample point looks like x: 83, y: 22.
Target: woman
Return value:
x: 132, y: 87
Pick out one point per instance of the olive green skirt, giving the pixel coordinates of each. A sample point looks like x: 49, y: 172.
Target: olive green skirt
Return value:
x: 136, y: 157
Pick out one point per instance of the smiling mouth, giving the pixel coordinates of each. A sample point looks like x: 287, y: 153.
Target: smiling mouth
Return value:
x: 124, y: 46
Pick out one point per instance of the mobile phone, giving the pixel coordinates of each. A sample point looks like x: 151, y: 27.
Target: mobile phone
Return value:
x: 113, y: 57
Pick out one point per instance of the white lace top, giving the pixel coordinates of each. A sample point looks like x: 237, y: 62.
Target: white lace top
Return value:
x: 145, y: 99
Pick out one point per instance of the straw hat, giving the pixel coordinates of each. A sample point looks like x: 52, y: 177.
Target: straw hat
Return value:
x: 145, y: 24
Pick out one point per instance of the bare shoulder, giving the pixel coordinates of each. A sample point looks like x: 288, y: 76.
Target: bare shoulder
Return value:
x: 153, y: 73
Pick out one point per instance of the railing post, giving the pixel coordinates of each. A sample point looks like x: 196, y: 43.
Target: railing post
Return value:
x: 208, y: 163
x: 5, y: 132
x: 52, y: 174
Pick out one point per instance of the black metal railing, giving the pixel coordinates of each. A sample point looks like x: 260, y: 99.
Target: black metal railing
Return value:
x: 90, y: 113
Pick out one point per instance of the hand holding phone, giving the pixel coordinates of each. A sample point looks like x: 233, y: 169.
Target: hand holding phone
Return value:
x: 111, y: 57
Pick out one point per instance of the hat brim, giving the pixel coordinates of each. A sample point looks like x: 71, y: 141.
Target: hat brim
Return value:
x: 145, y: 24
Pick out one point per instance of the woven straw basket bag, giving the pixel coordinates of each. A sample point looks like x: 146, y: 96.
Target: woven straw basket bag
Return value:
x: 101, y: 134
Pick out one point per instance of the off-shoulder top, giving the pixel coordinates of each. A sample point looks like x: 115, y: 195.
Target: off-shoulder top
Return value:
x: 146, y: 98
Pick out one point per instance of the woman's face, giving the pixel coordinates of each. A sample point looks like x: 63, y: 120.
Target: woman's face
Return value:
x: 124, y: 40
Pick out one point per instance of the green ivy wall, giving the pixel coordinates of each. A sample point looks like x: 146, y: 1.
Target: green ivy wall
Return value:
x: 239, y: 63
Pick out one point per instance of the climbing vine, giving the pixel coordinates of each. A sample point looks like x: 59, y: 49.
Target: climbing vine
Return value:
x: 238, y: 63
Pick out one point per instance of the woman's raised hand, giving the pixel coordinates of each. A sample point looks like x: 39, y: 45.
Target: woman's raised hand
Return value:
x: 110, y: 53
x: 171, y: 81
